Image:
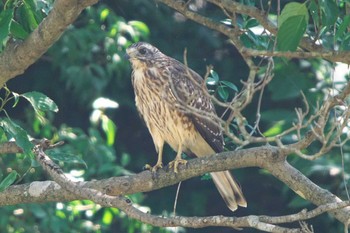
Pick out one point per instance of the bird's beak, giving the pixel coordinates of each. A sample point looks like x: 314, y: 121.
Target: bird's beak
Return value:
x: 130, y: 53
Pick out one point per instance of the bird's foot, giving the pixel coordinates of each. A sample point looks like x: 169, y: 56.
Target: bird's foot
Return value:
x: 175, y: 163
x: 154, y: 168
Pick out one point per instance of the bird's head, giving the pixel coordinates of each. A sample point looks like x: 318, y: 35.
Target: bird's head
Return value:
x: 142, y: 52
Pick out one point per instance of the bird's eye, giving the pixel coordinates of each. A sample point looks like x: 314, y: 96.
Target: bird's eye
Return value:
x: 142, y: 51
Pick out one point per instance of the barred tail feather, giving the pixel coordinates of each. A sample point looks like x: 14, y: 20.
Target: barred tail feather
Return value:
x: 229, y: 189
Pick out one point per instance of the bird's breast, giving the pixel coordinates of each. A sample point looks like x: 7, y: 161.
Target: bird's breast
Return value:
x: 158, y: 107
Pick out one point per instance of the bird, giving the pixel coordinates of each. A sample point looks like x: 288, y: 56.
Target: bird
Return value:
x: 175, y: 105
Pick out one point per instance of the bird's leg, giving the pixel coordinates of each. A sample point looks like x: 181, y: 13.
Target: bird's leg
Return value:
x: 159, y: 163
x: 178, y: 160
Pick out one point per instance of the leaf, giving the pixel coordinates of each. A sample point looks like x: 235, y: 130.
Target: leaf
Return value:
x: 290, y: 33
x: 19, y: 134
x: 29, y: 14
x: 104, y: 13
x: 40, y: 102
x: 250, y: 23
x: 9, y: 179
x: 214, y: 75
x: 16, y: 98
x: 223, y: 93
x: 275, y: 129
x: 293, y: 9
x: 109, y: 128
x: 330, y: 12
x: 342, y: 27
x: 206, y: 176
x: 292, y: 24
x: 230, y: 85
x: 5, y: 23
x: 66, y: 157
x: 18, y: 31
x: 140, y: 26
x: 211, y: 81
x: 107, y: 217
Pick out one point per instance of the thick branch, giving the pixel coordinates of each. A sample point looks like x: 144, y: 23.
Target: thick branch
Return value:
x: 18, y: 56
x: 267, y: 157
x: 124, y: 204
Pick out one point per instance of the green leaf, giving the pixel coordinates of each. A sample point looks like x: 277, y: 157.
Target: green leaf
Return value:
x: 250, y: 23
x: 230, y: 85
x: 40, y: 102
x: 342, y: 27
x: 66, y: 157
x: 104, y: 13
x: 140, y: 26
x: 293, y: 9
x: 206, y: 176
x: 292, y: 24
x: 5, y: 23
x: 214, y: 75
x: 275, y: 129
x: 19, y: 134
x: 223, y: 93
x: 107, y: 217
x: 211, y: 81
x: 29, y: 14
x: 16, y: 98
x: 9, y: 179
x: 345, y: 44
x: 291, y: 32
x: 18, y: 31
x: 109, y: 128
x: 330, y: 12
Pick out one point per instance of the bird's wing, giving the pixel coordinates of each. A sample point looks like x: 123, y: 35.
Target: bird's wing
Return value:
x: 188, y: 88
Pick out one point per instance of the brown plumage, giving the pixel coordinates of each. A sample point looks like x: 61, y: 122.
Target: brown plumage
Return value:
x: 171, y: 99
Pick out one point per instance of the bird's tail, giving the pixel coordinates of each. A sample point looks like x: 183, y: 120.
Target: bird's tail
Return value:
x: 229, y: 189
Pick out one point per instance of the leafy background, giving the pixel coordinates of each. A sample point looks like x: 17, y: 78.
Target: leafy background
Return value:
x: 85, y: 68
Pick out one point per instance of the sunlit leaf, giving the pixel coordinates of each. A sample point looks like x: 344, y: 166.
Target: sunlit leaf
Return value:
x: 214, y: 75
x: 290, y: 33
x: 293, y: 9
x: 109, y: 128
x: 227, y: 22
x: 292, y: 25
x: 16, y: 98
x: 9, y: 179
x: 140, y: 26
x: 104, y: 13
x: 107, y: 217
x: 211, y: 81
x: 40, y: 102
x: 274, y: 130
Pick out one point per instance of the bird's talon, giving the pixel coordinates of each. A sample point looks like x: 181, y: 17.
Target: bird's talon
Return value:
x: 154, y: 168
x: 175, y: 163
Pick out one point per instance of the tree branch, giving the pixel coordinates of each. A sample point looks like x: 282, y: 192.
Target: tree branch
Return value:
x: 235, y: 7
x: 18, y: 56
x: 194, y: 222
x: 267, y: 157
